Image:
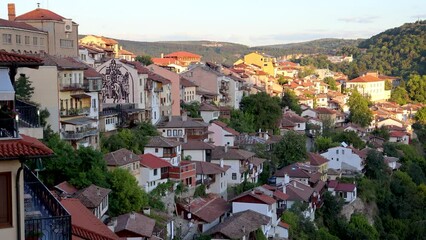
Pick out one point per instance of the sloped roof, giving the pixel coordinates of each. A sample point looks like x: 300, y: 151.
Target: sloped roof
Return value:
x: 9, y: 59
x: 84, y: 223
x: 66, y: 187
x: 231, y: 154
x: 26, y: 147
x: 197, y: 145
x: 91, y: 73
x: 153, y: 162
x: 207, y: 168
x: 186, y: 82
x: 19, y: 25
x: 297, y: 191
x: 40, y: 14
x: 136, y: 223
x: 120, y: 157
x: 182, y: 54
x: 63, y: 63
x: 325, y: 111
x: 293, y: 117
x: 208, y: 208
x: 225, y: 127
x: 256, y: 194
x: 345, y: 187
x: 208, y: 108
x: 257, y: 161
x: 92, y: 196
x: 293, y: 171
x: 178, y: 122
x: 316, y: 159
x: 159, y: 141
x: 366, y: 78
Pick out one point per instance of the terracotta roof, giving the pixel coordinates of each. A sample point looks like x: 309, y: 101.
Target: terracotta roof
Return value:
x: 293, y: 171
x: 165, y: 61
x: 9, y: 59
x: 225, y: 127
x: 207, y: 208
x: 257, y: 161
x: 325, y: 111
x: 159, y: 141
x: 27, y: 147
x: 153, y: 162
x: 125, y: 52
x: 256, y: 194
x: 120, y: 157
x: 178, y: 122
x: 182, y: 54
x: 232, y: 153
x: 187, y: 83
x: 84, y: 223
x: 66, y: 187
x: 139, y: 224
x: 92, y: 196
x: 144, y: 70
x: 208, y: 108
x: 63, y: 63
x: 197, y: 145
x: 316, y: 159
x: 232, y: 227
x: 283, y: 224
x: 91, y: 73
x: 207, y: 168
x: 366, y: 78
x: 39, y: 14
x: 297, y: 191
x: 397, y: 134
x: 20, y: 25
x: 293, y: 117
x: 345, y: 187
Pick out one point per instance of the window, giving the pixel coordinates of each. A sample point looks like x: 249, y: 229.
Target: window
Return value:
x: 156, y: 150
x: 337, y: 151
x: 18, y: 39
x: 169, y: 132
x: 343, y: 151
x: 234, y: 176
x: 5, y: 200
x: 64, y: 43
x: 7, y: 38
x: 35, y: 41
x: 337, y: 159
x: 140, y: 81
x: 42, y: 42
x: 155, y: 172
x: 141, y: 97
x: 27, y: 40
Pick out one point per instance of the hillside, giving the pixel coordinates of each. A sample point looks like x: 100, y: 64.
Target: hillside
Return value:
x: 399, y: 51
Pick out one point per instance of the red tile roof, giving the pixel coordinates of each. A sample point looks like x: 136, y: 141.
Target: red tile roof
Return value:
x: 225, y: 127
x: 316, y: 159
x: 259, y: 195
x: 325, y: 111
x: 19, y: 25
x: 7, y: 59
x: 397, y: 134
x: 40, y: 14
x: 140, y: 225
x: 345, y: 187
x: 150, y: 161
x: 197, y: 145
x: 182, y: 54
x: 66, y: 187
x: 24, y: 147
x: 208, y: 208
x: 165, y: 61
x: 206, y: 168
x: 84, y: 223
x: 366, y: 78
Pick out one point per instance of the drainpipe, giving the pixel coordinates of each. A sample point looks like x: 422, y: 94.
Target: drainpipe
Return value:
x: 18, y: 199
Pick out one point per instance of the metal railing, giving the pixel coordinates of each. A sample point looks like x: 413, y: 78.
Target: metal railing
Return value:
x: 28, y: 114
x: 53, y: 221
x: 79, y: 135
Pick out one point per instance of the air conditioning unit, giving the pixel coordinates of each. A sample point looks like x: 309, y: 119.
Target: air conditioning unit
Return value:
x: 68, y: 25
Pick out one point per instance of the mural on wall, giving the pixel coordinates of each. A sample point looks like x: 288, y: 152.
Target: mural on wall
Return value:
x: 116, y: 84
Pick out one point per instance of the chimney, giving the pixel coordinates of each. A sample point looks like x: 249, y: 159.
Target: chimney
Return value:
x: 285, y: 189
x: 226, y: 148
x: 221, y: 162
x: 132, y: 216
x: 286, y: 179
x: 112, y: 224
x: 162, y: 55
x: 184, y: 116
x: 185, y: 138
x: 11, y: 11
x: 98, y: 192
x: 147, y: 211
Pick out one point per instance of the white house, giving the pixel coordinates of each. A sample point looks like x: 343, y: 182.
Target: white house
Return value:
x: 153, y: 171
x: 209, y: 112
x: 95, y: 199
x: 347, y: 191
x: 165, y: 148
x: 213, y: 176
x: 222, y: 134
x: 399, y: 137
x: 197, y: 150
x: 343, y: 158
x: 291, y: 121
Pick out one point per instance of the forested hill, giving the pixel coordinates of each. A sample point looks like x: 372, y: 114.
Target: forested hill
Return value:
x: 398, y: 51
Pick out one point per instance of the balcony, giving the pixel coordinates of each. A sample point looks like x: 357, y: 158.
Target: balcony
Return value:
x: 75, y: 112
x: 169, y: 155
x: 45, y: 217
x: 79, y: 135
x: 72, y: 86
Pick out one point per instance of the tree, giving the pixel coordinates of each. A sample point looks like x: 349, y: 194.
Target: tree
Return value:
x: 242, y: 122
x: 400, y: 95
x: 192, y: 108
x: 416, y: 86
x: 126, y: 196
x: 421, y: 115
x: 331, y: 83
x: 324, y: 143
x: 359, y: 228
x: 23, y: 88
x: 349, y: 138
x: 282, y: 80
x: 144, y: 59
x: 290, y: 100
x: 359, y: 111
x: 375, y: 167
x: 382, y: 132
x: 291, y: 148
x: 388, y: 85
x: 266, y: 109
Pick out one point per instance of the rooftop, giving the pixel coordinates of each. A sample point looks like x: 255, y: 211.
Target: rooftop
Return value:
x: 24, y: 147
x: 92, y: 196
x: 40, y: 14
x: 120, y: 157
x: 220, y: 152
x: 136, y: 223
x: 207, y: 208
x: 159, y: 141
x: 153, y: 162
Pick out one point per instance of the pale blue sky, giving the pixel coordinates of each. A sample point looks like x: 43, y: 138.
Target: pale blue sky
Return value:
x: 250, y: 22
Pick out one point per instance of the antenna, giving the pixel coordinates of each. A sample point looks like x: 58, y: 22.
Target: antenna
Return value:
x: 38, y: 5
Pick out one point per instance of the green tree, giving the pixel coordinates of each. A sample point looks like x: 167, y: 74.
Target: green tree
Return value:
x: 290, y: 100
x: 421, y: 115
x: 388, y: 85
x: 331, y: 83
x: 324, y: 143
x: 416, y: 86
x: 200, y: 191
x: 242, y: 122
x: 192, y: 108
x: 260, y: 235
x: 400, y: 95
x: 23, y: 88
x: 375, y: 167
x: 282, y: 80
x: 349, y: 138
x: 291, y: 148
x: 359, y: 228
x: 126, y: 195
x: 382, y: 132
x: 266, y: 109
x: 359, y: 111
x: 144, y: 59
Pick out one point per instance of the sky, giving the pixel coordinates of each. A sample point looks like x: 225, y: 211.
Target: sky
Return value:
x: 249, y: 22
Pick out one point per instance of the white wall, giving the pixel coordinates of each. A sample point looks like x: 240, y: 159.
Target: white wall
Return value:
x: 219, y: 137
x: 196, y: 155
x: 235, y: 168
x: 209, y: 115
x: 337, y: 155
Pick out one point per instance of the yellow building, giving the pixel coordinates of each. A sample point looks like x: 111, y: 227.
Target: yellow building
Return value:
x: 370, y: 86
x: 264, y: 61
x: 108, y: 44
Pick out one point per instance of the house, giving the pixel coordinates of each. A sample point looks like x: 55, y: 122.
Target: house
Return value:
x: 65, y: 189
x: 188, y: 91
x: 347, y: 191
x: 165, y: 148
x: 371, y: 86
x: 320, y: 163
x: 392, y: 162
x: 124, y: 159
x: 242, y: 225
x: 95, y: 199
x: 213, y: 177
x: 300, y: 192
x: 85, y: 225
x: 154, y: 171
x: 184, y: 57
x: 222, y: 134
x: 343, y: 158
x: 291, y: 121
x: 179, y: 127
x: 133, y: 226
x: 292, y: 172
x: 209, y: 112
x: 207, y: 211
x: 399, y: 137
x: 266, y: 62
x: 238, y: 159
x: 184, y: 173
x: 195, y: 150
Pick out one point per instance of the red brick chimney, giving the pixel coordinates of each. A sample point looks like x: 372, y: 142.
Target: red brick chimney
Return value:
x: 11, y: 11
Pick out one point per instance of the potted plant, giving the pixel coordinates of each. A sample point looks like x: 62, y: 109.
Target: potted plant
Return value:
x: 33, y: 235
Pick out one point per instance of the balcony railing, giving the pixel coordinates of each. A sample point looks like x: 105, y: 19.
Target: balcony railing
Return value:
x: 45, y: 217
x: 79, y: 135
x: 8, y: 128
x: 72, y: 86
x: 28, y: 114
x: 75, y: 112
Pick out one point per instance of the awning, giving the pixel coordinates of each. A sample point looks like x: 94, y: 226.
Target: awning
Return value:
x: 7, y: 93
x: 79, y: 121
x: 81, y: 95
